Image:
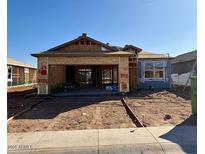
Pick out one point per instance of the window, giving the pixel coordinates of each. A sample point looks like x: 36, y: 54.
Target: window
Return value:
x: 9, y: 69
x: 84, y: 76
x: 149, y: 70
x: 154, y: 70
x: 26, y: 70
x: 9, y: 75
x: 106, y: 75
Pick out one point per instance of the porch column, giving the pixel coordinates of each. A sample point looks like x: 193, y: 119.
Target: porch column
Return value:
x: 123, y: 71
x: 42, y: 76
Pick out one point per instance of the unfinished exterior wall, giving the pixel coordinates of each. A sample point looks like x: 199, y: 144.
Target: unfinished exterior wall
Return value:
x: 44, y: 74
x: 133, y: 73
x: 18, y: 76
x: 32, y: 75
x: 56, y: 74
x: 83, y: 60
x: 123, y: 74
x: 81, y: 48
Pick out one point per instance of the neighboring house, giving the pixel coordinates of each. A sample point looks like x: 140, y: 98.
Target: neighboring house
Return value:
x: 154, y: 70
x: 19, y: 73
x: 86, y: 62
x: 182, y: 66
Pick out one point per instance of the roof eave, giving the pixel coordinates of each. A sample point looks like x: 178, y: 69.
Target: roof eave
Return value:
x: 81, y: 55
x: 155, y: 57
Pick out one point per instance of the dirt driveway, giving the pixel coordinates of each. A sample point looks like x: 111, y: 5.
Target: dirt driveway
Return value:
x: 65, y: 113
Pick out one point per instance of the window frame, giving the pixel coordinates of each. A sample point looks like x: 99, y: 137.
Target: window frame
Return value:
x: 9, y: 79
x: 107, y: 79
x: 154, y: 71
x: 85, y: 76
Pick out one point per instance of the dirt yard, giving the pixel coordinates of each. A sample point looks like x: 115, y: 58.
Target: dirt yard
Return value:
x: 163, y: 108
x: 20, y: 98
x: 64, y: 113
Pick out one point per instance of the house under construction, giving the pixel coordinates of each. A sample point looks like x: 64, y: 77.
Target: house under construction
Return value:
x: 86, y: 62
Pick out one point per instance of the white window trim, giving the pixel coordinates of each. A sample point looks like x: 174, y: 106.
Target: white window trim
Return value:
x: 154, y: 79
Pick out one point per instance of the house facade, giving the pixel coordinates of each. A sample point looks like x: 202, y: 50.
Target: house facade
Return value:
x: 184, y: 63
x: 86, y: 62
x: 182, y: 66
x: 19, y: 73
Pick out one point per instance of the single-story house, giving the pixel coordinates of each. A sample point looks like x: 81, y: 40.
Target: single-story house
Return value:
x: 87, y: 62
x: 183, y: 63
x: 181, y: 67
x: 19, y: 73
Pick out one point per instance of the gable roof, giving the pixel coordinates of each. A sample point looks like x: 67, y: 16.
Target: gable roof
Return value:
x: 127, y: 47
x: 14, y: 62
x: 189, y: 56
x: 151, y: 55
x: 83, y: 36
x: 109, y: 50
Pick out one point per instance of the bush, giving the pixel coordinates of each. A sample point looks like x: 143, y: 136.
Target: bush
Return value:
x: 59, y: 87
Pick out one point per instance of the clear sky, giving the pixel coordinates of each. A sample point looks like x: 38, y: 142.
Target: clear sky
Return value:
x: 161, y: 26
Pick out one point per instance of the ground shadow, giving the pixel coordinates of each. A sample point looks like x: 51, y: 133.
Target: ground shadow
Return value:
x: 181, y: 91
x: 185, y: 137
x: 52, y: 107
x: 23, y: 92
x: 17, y: 100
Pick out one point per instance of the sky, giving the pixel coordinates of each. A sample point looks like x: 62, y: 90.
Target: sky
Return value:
x: 160, y: 26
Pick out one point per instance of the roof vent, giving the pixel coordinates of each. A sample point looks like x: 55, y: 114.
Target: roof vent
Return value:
x: 84, y: 35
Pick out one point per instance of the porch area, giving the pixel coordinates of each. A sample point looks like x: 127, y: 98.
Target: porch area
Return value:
x: 89, y: 91
x: 60, y: 74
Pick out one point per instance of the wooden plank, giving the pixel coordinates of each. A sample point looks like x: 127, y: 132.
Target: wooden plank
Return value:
x: 132, y: 115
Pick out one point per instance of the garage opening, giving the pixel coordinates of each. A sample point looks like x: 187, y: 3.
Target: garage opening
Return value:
x: 82, y: 77
x: 91, y: 75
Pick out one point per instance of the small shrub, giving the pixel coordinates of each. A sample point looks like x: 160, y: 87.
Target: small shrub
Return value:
x: 59, y: 87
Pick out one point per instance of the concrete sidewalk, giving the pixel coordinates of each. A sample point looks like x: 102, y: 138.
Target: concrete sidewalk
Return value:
x: 179, y: 139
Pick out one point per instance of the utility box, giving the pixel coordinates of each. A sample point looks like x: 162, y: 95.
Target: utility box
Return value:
x: 194, y: 94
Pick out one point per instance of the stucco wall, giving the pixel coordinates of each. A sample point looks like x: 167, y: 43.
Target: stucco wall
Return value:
x: 44, y: 62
